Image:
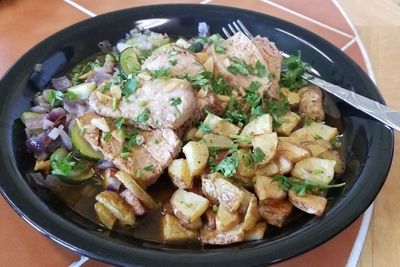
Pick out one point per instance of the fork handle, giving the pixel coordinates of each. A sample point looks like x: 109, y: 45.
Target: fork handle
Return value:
x: 380, y: 112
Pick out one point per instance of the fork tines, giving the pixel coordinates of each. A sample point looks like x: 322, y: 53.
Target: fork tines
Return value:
x: 238, y: 26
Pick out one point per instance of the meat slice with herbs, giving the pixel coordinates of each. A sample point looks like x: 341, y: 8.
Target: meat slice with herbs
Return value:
x: 173, y: 61
x: 241, y: 63
x: 142, y: 154
x: 157, y: 104
x: 273, y: 60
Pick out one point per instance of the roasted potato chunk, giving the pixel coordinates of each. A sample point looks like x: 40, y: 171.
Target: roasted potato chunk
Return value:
x: 315, y: 170
x: 217, y: 141
x: 179, y: 172
x: 196, y: 154
x: 292, y: 152
x: 136, y: 189
x: 334, y: 155
x: 316, y: 147
x: 267, y: 143
x: 270, y: 169
x: 104, y: 215
x: 259, y: 125
x: 257, y: 233
x: 188, y: 206
x: 284, y: 164
x: 311, y: 102
x: 208, y: 186
x: 210, y: 216
x: 320, y: 130
x: 267, y: 190
x: 215, y: 237
x: 228, y: 194
x: 218, y: 126
x: 275, y: 213
x: 288, y: 121
x: 117, y: 206
x: 225, y: 219
x: 43, y: 165
x: 245, y: 168
x: 310, y: 203
x: 173, y: 231
x: 197, y: 224
x: 251, y: 216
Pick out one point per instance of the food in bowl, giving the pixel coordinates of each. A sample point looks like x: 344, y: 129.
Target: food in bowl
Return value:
x: 242, y: 144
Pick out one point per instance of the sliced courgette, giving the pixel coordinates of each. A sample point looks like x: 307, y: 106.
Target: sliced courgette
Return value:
x: 128, y: 61
x: 29, y: 115
x: 83, y: 90
x: 80, y: 172
x: 82, y: 146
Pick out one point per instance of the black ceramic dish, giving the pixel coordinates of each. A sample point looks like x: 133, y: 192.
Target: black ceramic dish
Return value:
x: 367, y: 144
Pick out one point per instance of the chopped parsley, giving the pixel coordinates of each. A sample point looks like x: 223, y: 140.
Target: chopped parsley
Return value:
x: 241, y: 138
x: 261, y: 70
x: 291, y: 78
x: 55, y: 98
x: 162, y: 73
x: 200, y: 80
x: 62, y: 165
x: 255, y: 99
x: 240, y: 66
x: 227, y: 167
x: 119, y: 123
x: 129, y: 86
x: 205, y: 127
x: 257, y: 155
x: 106, y: 136
x: 144, y: 116
x: 172, y: 62
x: 301, y: 187
x: 175, y: 101
x: 125, y: 152
x: 220, y: 86
x: 149, y: 168
x: 277, y: 108
x: 138, y: 173
x: 217, y: 40
x: 82, y: 69
x: 233, y: 113
x: 135, y: 140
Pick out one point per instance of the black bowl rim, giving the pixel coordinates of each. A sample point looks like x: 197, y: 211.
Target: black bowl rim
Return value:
x: 73, y: 237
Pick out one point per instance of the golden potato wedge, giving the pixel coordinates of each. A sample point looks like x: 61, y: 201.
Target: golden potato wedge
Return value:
x: 104, y: 215
x: 310, y: 203
x: 215, y: 237
x: 320, y: 130
x: 301, y: 135
x: 210, y: 216
x: 188, y: 206
x: 136, y: 189
x: 267, y: 143
x: 245, y: 168
x: 316, y: 170
x: 197, y: 224
x: 173, y: 232
x: 228, y: 194
x: 257, y: 233
x: 196, y: 154
x: 251, y: 216
x: 217, y: 141
x: 247, y: 197
x: 270, y: 169
x: 334, y: 155
x: 209, y: 64
x: 267, y: 190
x: 275, y: 213
x: 285, y: 165
x: 43, y: 165
x: 292, y: 97
x: 259, y: 125
x: 292, y: 152
x: 202, y: 56
x: 225, y: 219
x: 288, y: 121
x: 218, y: 126
x: 208, y: 186
x: 117, y: 206
x: 179, y: 172
x: 316, y: 147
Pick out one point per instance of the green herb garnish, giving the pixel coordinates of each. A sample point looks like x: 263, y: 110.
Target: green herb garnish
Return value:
x: 292, y: 77
x: 144, y: 116
x: 149, y: 168
x: 55, y: 98
x: 205, y: 127
x: 261, y: 70
x: 129, y: 86
x: 240, y: 66
x: 227, y: 167
x: 62, y: 165
x: 162, y: 73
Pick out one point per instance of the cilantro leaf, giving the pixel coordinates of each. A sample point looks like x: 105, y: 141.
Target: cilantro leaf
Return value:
x: 277, y: 108
x: 119, y: 123
x: 257, y: 155
x: 130, y: 86
x: 144, y: 116
x: 260, y: 69
x: 217, y: 40
x: 200, y: 80
x: 291, y: 78
x: 220, y: 86
x: 55, y: 98
x: 227, y: 167
x: 205, y: 127
x: 106, y: 136
x: 162, y: 73
x: 175, y: 101
x: 62, y: 165
x: 149, y: 168
x: 240, y: 66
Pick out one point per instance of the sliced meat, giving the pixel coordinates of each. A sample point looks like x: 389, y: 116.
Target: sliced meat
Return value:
x: 311, y: 102
x: 145, y: 162
x: 273, y: 59
x: 240, y: 47
x: 168, y: 104
x: 178, y: 60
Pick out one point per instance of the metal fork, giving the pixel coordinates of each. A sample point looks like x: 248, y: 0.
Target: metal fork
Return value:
x: 378, y: 111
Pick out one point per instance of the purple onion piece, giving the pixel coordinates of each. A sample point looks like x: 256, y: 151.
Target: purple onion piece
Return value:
x: 113, y: 184
x: 65, y: 139
x: 36, y: 144
x: 105, y: 164
x: 47, y: 124
x: 35, y: 122
x: 100, y: 75
x: 56, y: 114
x: 39, y: 109
x: 61, y: 84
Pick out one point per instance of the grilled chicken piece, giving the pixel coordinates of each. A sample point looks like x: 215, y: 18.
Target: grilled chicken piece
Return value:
x: 275, y: 213
x: 240, y: 47
x: 310, y: 203
x: 145, y: 162
x: 273, y: 59
x: 178, y: 60
x: 311, y: 102
x: 156, y: 98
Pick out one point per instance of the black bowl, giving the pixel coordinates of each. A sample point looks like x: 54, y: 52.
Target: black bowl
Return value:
x: 367, y: 144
